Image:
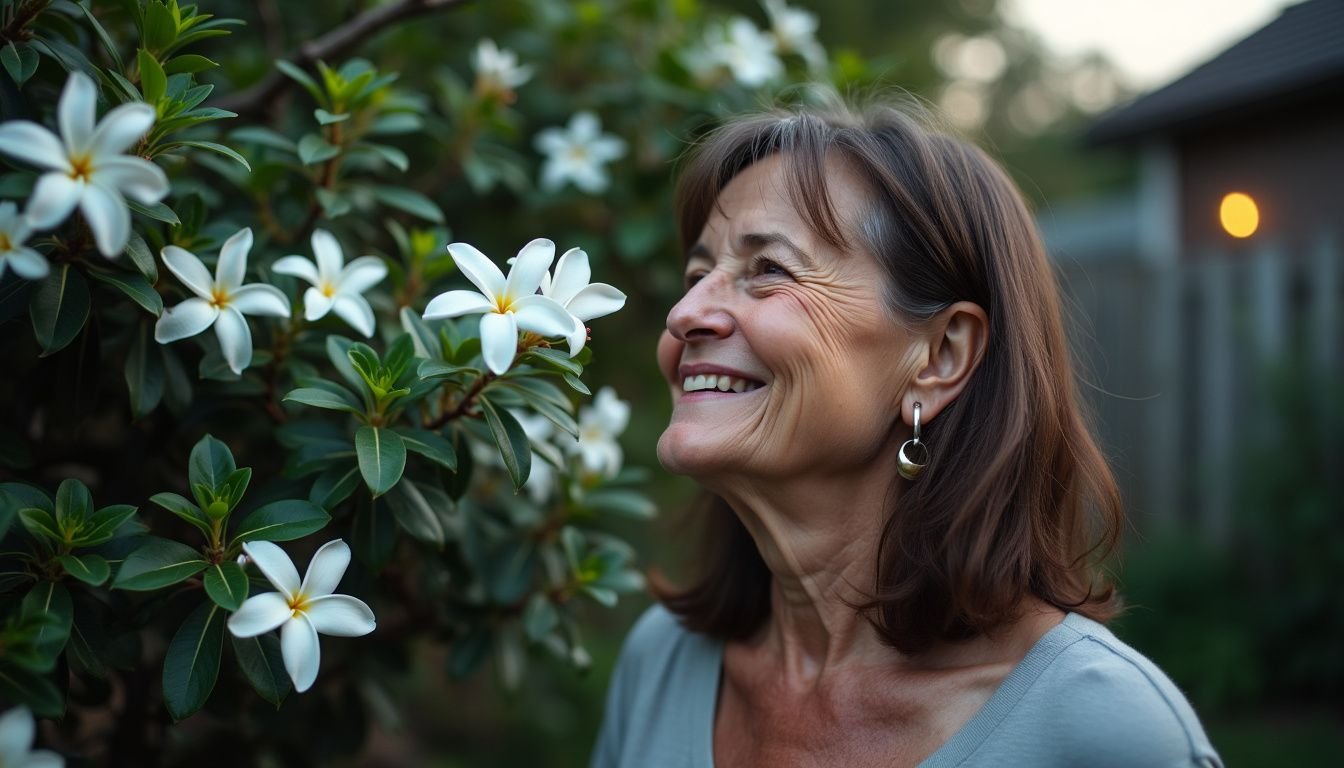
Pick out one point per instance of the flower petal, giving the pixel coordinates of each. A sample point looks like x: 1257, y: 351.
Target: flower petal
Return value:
x: 328, y: 253
x: 362, y: 274
x: 541, y: 315
x: 43, y: 758
x: 75, y: 112
x: 584, y: 126
x: 232, y: 264
x: 121, y: 128
x: 606, y: 148
x: 499, y: 340
x: 259, y: 299
x: 33, y: 143
x: 260, y: 614
x: 525, y: 274
x: 572, y: 273
x: 316, y: 304
x: 577, y: 336
x: 298, y: 267
x: 54, y: 197
x: 105, y: 210
x: 551, y: 141
x: 275, y: 565
x: 185, y: 320
x: 134, y: 177
x: 16, y: 732
x: 456, y: 304
x: 189, y: 269
x: 341, y: 616
x: 355, y: 310
x: 235, y: 339
x: 326, y: 569
x: 480, y: 270
x: 610, y: 413
x: 301, y: 652
x: 26, y: 263
x: 594, y: 301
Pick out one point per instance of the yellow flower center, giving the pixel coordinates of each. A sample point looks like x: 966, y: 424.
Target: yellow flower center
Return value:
x: 327, y: 289
x: 81, y: 167
x: 578, y: 154
x: 219, y: 297
x: 5, y: 244
x: 298, y: 604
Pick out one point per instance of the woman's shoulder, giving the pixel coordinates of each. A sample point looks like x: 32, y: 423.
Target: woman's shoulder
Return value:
x: 658, y: 641
x: 1103, y: 698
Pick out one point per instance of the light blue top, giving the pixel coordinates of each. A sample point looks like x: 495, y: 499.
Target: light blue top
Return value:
x: 1080, y: 697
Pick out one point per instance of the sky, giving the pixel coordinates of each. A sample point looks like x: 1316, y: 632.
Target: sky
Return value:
x: 1151, y: 41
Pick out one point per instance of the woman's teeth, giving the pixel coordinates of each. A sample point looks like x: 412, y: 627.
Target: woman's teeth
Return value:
x: 721, y: 383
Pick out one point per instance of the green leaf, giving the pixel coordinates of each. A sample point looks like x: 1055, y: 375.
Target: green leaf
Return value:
x: 157, y: 564
x: 283, y: 520
x: 188, y: 64
x: 211, y: 146
x: 153, y: 81
x: 226, y: 584
x: 334, y: 486
x: 235, y: 486
x: 134, y: 285
x: 40, y: 694
x: 52, y: 600
x: 338, y: 352
x: 303, y: 79
x: 40, y: 524
x: 603, y: 595
x: 431, y: 369
x: 410, y: 201
x: 103, y: 37
x: 323, y: 398
x: 382, y: 457
x: 192, y: 664
x: 73, y: 503
x: 577, y: 385
x: 431, y: 445
x: 20, y: 61
x: 184, y: 509
x: 144, y: 372
x: 59, y: 307
x: 156, y: 211
x: 260, y: 135
x: 552, y: 358
x: 103, y: 525
x: 263, y: 665
x: 144, y: 261
x: 373, y: 536
x: 511, y: 440
x: 415, y: 514
x: 315, y: 149
x: 211, y: 463
x: 160, y: 28
x: 89, y: 568
x: 539, y: 617
x: 326, y: 118
x: 394, y: 157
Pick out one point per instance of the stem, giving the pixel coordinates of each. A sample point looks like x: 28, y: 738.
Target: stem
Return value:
x: 464, y: 404
x: 23, y: 16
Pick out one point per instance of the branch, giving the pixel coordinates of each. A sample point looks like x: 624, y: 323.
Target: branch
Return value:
x: 258, y: 99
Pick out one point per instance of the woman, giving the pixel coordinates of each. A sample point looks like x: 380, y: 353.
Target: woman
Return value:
x: 871, y: 379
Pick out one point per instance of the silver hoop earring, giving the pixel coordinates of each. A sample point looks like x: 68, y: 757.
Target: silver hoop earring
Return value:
x: 914, y: 455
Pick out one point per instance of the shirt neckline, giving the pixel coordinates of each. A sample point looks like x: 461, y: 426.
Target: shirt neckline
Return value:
x: 967, y: 739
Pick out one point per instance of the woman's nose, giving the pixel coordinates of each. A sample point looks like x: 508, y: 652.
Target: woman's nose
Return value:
x: 702, y: 314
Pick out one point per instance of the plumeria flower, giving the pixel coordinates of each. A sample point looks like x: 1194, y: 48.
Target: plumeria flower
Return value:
x: 301, y: 610
x: 748, y: 54
x: 505, y: 304
x: 337, y: 286
x: 16, y: 742
x: 25, y: 262
x: 795, y: 31
x: 87, y: 167
x: 221, y: 301
x: 584, y: 301
x: 498, y: 71
x: 599, y: 426
x: 578, y: 154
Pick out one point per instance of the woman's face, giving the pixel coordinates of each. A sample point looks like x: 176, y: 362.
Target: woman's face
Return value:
x: 796, y: 331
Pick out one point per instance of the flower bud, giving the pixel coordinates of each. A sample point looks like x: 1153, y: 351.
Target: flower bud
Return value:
x: 217, y: 510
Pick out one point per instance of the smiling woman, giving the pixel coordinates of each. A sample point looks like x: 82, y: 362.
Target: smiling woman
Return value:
x: 857, y: 282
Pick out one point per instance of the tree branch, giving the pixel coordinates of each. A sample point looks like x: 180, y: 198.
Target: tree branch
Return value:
x: 259, y: 99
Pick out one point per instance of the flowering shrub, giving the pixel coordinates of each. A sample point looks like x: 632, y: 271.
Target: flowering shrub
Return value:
x: 442, y: 470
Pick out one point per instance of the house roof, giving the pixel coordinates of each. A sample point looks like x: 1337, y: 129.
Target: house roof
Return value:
x: 1301, y: 50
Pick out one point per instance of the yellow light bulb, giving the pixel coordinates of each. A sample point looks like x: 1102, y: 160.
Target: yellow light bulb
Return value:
x: 1239, y: 214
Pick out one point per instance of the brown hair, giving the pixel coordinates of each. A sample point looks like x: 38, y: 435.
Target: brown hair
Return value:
x: 1017, y: 498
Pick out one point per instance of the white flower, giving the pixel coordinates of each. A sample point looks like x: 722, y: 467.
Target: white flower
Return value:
x: 746, y: 52
x: 497, y: 70
x: 584, y: 301
x: 599, y: 426
x: 795, y: 31
x: 302, y: 610
x: 220, y: 302
x: 25, y: 262
x: 87, y: 166
x: 540, y: 481
x: 16, y: 742
x: 335, y: 288
x: 508, y: 304
x: 578, y: 153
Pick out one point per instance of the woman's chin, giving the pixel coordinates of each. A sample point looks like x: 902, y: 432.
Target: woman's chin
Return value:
x: 684, y: 451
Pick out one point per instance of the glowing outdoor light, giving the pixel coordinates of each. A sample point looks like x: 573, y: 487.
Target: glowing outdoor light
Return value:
x: 1239, y: 214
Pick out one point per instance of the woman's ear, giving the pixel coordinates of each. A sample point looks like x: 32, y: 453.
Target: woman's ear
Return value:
x: 957, y: 339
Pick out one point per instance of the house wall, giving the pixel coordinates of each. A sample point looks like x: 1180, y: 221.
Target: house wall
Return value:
x: 1289, y: 159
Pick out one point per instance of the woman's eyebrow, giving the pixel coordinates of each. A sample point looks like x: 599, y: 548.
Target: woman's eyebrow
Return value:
x: 699, y: 250
x: 754, y: 241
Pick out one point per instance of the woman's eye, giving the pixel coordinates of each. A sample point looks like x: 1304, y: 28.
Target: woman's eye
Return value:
x: 769, y: 267
x: 692, y: 279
